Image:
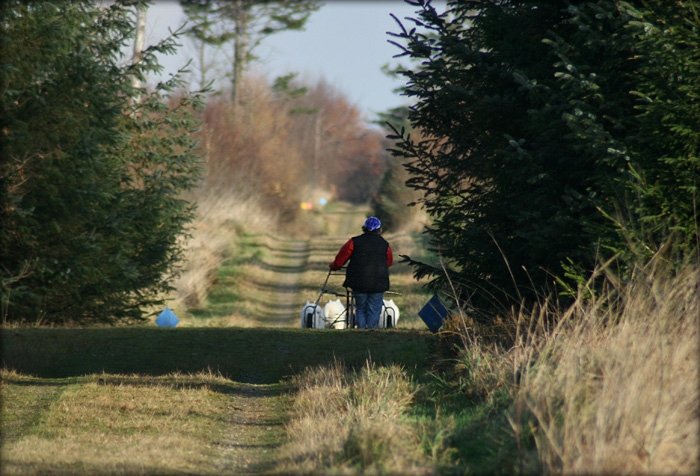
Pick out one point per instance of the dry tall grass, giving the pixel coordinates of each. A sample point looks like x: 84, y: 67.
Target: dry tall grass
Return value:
x: 347, y: 422
x: 221, y: 216
x: 614, y: 387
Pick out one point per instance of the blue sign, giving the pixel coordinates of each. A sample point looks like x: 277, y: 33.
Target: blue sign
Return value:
x: 433, y: 313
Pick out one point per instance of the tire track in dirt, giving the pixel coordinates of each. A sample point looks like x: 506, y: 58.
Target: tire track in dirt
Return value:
x: 295, y: 269
x: 255, y: 430
x: 284, y: 273
x: 288, y: 260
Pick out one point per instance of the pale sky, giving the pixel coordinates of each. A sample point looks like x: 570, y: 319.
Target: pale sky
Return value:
x: 345, y: 42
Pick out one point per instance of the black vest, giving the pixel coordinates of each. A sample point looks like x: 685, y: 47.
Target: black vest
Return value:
x: 367, y: 270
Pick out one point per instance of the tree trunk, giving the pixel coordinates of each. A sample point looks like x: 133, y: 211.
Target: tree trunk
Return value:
x: 139, y: 41
x: 240, y: 49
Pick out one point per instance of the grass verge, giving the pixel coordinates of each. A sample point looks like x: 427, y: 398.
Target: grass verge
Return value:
x: 610, y: 388
x: 163, y: 401
x: 255, y: 355
x: 613, y: 389
x: 351, y: 422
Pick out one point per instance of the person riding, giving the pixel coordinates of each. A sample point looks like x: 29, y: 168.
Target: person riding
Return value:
x: 367, y: 274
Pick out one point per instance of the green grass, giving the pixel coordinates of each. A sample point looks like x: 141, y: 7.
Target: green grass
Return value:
x: 251, y: 355
x: 132, y: 424
x: 61, y: 387
x: 469, y: 437
x: 102, y: 400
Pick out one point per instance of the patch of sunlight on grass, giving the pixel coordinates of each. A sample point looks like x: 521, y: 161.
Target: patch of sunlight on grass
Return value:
x: 116, y: 424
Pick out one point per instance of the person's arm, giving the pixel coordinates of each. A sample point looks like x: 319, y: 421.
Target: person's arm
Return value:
x: 389, y: 257
x: 343, y: 256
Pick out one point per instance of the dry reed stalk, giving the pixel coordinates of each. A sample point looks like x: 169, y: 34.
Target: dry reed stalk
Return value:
x: 616, y: 391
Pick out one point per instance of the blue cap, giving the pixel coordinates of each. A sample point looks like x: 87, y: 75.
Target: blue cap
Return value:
x: 372, y: 224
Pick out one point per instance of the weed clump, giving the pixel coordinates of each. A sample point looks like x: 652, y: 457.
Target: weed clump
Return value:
x: 613, y: 388
x: 352, y: 422
x: 608, y: 386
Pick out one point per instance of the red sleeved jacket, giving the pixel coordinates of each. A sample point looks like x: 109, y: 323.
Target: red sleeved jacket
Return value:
x: 346, y: 251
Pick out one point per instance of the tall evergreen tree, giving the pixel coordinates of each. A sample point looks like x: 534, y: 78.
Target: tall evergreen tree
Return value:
x: 90, y: 180
x: 665, y: 150
x: 534, y: 121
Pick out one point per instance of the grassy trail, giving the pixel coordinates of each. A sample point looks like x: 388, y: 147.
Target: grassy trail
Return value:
x: 71, y: 394
x: 287, y: 261
x: 222, y: 393
x: 268, y: 278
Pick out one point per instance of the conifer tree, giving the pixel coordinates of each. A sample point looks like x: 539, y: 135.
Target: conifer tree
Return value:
x: 544, y: 126
x: 90, y: 180
x: 665, y: 150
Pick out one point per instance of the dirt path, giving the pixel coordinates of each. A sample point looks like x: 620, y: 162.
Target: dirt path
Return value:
x: 255, y: 430
x: 282, y: 278
x: 281, y: 275
x: 265, y: 283
x: 287, y: 261
x: 278, y: 275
